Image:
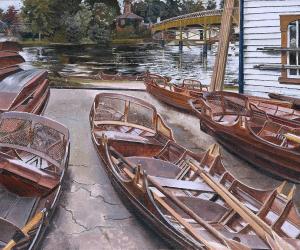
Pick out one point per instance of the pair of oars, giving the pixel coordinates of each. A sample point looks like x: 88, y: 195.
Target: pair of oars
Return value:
x: 25, y: 230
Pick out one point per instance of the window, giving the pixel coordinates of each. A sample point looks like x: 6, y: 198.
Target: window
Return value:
x: 294, y: 43
x: 290, y: 55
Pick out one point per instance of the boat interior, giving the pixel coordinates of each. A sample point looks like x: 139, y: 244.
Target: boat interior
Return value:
x: 124, y: 119
x: 177, y: 172
x: 189, y: 87
x: 33, y: 157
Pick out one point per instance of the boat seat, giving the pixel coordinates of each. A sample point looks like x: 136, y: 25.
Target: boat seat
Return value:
x: 16, y: 209
x: 119, y: 136
x: 185, y: 185
x: 155, y: 167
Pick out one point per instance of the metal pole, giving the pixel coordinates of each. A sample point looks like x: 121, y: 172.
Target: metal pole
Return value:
x: 241, y: 49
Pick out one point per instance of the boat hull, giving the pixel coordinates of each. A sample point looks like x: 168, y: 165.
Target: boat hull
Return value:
x: 282, y: 163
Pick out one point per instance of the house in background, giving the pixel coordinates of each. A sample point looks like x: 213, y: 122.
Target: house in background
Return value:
x: 128, y: 20
x: 270, y: 38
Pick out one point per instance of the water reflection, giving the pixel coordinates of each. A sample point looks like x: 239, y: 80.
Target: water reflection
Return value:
x: 83, y: 61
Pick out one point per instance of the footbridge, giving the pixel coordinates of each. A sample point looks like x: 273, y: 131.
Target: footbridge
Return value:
x: 202, y: 18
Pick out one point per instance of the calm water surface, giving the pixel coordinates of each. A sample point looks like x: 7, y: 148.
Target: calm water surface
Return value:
x: 83, y: 61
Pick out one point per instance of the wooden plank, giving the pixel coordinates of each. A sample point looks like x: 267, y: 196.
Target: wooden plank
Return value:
x: 217, y: 82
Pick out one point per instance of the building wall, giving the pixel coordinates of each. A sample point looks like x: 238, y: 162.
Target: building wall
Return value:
x: 262, y: 29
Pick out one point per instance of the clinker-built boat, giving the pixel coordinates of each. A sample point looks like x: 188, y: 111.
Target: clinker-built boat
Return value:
x: 25, y: 90
x: 34, y: 153
x: 189, y: 199
x: 270, y: 142
x: 172, y: 94
x: 9, y: 58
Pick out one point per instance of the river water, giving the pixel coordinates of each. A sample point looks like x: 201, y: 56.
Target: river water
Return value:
x: 169, y: 61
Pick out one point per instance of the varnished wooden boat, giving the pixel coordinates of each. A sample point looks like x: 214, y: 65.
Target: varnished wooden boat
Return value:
x: 276, y: 110
x: 7, y: 71
x: 174, y: 95
x: 34, y: 154
x: 295, y: 101
x: 26, y: 90
x: 9, y: 58
x: 10, y: 46
x: 190, y: 200
x: 273, y: 145
x: 131, y: 122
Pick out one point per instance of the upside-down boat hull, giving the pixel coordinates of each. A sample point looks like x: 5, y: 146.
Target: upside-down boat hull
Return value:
x: 10, y: 58
x: 279, y: 162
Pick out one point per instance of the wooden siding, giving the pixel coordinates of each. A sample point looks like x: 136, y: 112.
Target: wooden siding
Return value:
x: 262, y: 29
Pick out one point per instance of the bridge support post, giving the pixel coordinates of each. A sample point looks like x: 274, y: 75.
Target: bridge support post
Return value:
x: 163, y: 39
x: 180, y: 40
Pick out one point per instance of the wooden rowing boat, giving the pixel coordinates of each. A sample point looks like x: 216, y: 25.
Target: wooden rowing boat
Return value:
x: 34, y: 154
x: 174, y: 95
x: 131, y: 122
x: 276, y: 110
x: 10, y: 46
x: 190, y: 199
x: 268, y: 143
x: 24, y: 90
x: 295, y: 101
x: 9, y: 58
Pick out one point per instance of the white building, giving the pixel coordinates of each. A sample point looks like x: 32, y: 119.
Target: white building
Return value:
x: 270, y: 36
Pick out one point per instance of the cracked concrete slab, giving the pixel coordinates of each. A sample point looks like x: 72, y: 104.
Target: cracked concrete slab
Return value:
x: 90, y: 214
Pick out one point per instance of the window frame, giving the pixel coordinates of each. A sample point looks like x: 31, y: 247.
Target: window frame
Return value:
x: 285, y: 21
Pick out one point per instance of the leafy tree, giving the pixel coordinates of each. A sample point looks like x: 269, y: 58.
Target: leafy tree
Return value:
x: 222, y: 4
x: 103, y: 17
x: 37, y: 14
x: 77, y: 25
x: 10, y: 17
x: 190, y: 6
x: 114, y: 4
x: 1, y: 14
x: 173, y: 8
x: 211, y: 5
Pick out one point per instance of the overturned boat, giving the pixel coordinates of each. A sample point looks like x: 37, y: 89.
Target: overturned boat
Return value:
x: 9, y: 58
x: 10, y: 46
x: 190, y: 199
x: 172, y: 94
x: 24, y: 90
x: 34, y: 154
x: 270, y: 142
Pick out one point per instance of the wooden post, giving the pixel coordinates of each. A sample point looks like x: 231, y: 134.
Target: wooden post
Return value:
x: 217, y: 82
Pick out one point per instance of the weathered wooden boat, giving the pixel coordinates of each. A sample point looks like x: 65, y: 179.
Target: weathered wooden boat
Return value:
x: 34, y: 154
x: 8, y: 58
x: 26, y: 91
x: 193, y: 202
x: 190, y: 199
x: 174, y: 95
x: 276, y: 110
x: 131, y: 122
x: 120, y: 76
x: 10, y: 46
x: 4, y: 72
x: 273, y: 145
x: 295, y: 101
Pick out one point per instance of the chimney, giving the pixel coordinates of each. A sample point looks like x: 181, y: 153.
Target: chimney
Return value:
x: 127, y: 7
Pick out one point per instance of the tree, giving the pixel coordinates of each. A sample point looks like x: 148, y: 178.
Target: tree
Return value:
x: 10, y: 17
x: 37, y: 14
x: 211, y: 5
x: 191, y: 6
x: 222, y: 4
x: 114, y: 4
x: 77, y: 25
x: 103, y: 17
x: 1, y: 14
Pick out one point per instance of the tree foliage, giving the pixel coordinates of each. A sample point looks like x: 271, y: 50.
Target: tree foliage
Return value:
x: 10, y: 17
x: 211, y: 5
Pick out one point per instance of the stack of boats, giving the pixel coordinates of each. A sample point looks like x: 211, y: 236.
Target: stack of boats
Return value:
x: 34, y: 153
x: 189, y: 199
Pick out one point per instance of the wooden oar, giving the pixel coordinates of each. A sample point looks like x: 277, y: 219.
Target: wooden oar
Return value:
x: 259, y: 226
x: 25, y: 230
x: 194, y: 216
x: 292, y: 137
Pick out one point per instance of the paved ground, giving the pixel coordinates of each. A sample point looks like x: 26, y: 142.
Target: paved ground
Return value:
x: 90, y: 214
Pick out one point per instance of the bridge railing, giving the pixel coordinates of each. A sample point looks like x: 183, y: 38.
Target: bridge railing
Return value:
x: 193, y: 15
